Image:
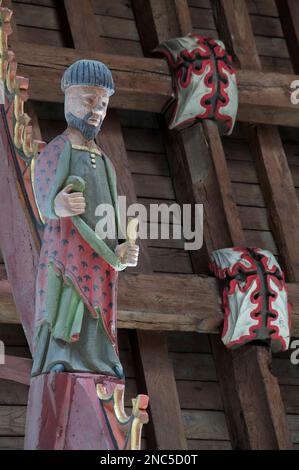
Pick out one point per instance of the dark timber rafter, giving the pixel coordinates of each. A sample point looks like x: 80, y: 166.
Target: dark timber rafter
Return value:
x: 289, y: 16
x: 234, y: 26
x: 162, y: 306
x: 244, y: 403
x: 277, y: 183
x: 145, y: 84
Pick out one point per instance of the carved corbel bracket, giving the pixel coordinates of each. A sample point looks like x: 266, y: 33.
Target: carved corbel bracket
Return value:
x: 131, y: 426
x: 204, y: 82
x: 254, y: 298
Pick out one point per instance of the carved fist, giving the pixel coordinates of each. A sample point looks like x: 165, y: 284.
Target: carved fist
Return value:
x: 127, y: 253
x: 67, y: 204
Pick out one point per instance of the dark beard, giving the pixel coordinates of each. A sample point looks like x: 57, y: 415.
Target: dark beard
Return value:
x: 87, y: 130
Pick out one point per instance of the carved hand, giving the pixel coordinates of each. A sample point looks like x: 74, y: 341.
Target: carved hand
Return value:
x: 67, y: 204
x: 128, y: 253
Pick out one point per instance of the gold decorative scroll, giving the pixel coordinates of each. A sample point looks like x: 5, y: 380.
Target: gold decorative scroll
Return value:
x: 138, y: 418
x: 16, y: 90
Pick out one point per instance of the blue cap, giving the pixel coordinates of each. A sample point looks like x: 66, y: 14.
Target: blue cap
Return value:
x: 89, y: 73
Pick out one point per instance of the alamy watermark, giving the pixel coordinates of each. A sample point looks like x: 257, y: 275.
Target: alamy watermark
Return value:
x: 2, y: 353
x: 2, y: 93
x: 295, y: 92
x: 294, y: 357
x: 156, y: 221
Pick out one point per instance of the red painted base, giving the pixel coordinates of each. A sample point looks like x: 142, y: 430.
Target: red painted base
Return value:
x: 65, y: 413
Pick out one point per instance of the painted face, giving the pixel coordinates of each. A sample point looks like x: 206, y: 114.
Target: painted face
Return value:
x: 85, y: 109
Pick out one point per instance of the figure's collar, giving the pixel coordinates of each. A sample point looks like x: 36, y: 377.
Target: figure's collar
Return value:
x: 77, y: 142
x: 93, y: 150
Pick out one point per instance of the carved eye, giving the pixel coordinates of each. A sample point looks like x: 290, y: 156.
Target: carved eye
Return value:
x: 88, y: 101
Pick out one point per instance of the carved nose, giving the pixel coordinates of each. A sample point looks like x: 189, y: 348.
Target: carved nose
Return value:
x: 96, y: 117
x: 96, y: 113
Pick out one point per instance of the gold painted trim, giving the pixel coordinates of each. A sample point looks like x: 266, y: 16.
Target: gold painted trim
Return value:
x: 139, y: 412
x: 32, y: 172
x: 136, y: 432
x: 17, y: 87
x: 93, y: 151
x: 119, y: 404
x: 139, y: 415
x: 102, y: 393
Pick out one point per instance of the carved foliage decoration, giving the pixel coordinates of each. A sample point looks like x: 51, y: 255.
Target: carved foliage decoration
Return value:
x: 204, y: 81
x: 255, y: 299
x: 109, y: 420
x: 129, y: 427
x: 80, y: 411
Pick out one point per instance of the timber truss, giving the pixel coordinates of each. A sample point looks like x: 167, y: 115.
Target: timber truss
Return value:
x: 250, y: 392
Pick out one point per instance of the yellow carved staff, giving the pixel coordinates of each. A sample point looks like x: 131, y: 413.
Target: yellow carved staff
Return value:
x: 132, y: 230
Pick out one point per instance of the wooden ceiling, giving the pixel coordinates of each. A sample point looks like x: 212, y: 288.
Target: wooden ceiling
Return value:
x: 44, y: 45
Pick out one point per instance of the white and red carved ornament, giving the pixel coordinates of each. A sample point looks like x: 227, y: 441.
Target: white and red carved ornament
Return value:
x: 255, y: 299
x: 204, y: 81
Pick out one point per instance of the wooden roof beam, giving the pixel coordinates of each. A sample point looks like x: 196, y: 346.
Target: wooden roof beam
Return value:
x: 162, y: 306
x: 263, y: 403
x: 145, y: 84
x: 16, y: 369
x: 289, y: 17
x: 204, y: 177
x: 83, y: 25
x: 159, y: 20
x: 280, y: 194
x: 271, y: 160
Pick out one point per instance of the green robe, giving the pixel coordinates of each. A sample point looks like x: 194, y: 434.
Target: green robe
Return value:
x: 65, y: 309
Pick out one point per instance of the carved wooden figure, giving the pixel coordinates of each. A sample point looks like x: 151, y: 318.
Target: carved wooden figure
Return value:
x: 77, y: 276
x: 75, y: 346
x: 76, y: 397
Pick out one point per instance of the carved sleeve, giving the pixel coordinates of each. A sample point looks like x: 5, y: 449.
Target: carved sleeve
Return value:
x: 51, y: 169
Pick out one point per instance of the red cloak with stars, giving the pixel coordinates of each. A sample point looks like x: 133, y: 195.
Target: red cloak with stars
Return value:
x: 71, y: 254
